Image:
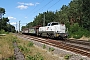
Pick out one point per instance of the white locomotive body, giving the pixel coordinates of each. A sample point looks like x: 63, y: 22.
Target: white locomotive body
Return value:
x: 53, y: 29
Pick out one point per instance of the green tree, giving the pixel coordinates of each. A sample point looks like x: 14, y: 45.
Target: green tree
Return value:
x: 4, y: 25
x: 2, y: 12
x: 86, y: 14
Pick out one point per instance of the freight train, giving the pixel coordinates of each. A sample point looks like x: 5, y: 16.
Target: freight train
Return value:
x: 52, y: 30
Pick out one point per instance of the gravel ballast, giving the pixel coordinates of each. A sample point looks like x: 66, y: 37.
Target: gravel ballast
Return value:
x: 18, y: 55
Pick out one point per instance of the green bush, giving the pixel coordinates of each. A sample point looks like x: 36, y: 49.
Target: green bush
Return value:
x: 38, y: 56
x: 11, y: 58
x: 67, y: 57
x: 30, y: 44
x: 44, y: 46
x: 77, y: 32
x: 24, y: 49
x: 21, y: 48
x: 14, y: 39
x: 3, y: 32
x: 51, y: 49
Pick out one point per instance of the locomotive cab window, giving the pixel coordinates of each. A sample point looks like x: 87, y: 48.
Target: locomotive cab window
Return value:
x: 54, y: 24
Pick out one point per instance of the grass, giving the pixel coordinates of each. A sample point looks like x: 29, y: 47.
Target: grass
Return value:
x: 26, y: 47
x: 30, y: 44
x: 38, y: 56
x: 51, y: 49
x: 29, y: 51
x: 6, y: 46
x: 44, y: 46
x: 33, y: 52
x: 67, y: 57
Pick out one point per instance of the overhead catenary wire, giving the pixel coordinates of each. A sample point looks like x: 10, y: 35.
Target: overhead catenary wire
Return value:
x: 33, y: 10
x: 44, y: 6
x: 53, y: 4
x: 37, y: 6
x: 41, y: 7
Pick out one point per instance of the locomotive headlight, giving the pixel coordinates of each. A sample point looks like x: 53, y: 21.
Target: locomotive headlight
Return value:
x: 57, y: 35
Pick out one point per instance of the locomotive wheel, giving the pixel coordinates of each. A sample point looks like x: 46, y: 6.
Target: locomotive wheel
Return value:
x: 40, y: 34
x: 50, y: 35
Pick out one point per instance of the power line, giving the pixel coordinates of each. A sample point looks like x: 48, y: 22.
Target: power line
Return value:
x: 44, y: 6
x: 37, y: 6
x: 54, y: 4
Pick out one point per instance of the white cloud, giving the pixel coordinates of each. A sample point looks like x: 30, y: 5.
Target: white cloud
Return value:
x: 22, y: 7
x: 11, y: 18
x: 20, y: 3
x: 25, y: 17
x: 36, y: 3
x: 13, y: 23
x: 27, y: 4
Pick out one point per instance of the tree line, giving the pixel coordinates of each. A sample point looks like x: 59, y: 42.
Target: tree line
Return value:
x: 75, y: 15
x: 76, y: 12
x: 5, y: 26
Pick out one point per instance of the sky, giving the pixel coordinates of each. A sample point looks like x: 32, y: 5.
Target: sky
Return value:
x: 26, y: 10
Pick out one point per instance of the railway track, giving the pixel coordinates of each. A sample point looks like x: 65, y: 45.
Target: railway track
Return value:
x: 67, y: 45
x: 83, y: 42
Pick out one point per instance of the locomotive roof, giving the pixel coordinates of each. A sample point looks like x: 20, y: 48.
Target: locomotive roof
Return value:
x: 54, y: 22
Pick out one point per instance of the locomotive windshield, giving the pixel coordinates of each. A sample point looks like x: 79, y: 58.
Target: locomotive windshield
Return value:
x: 54, y: 24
